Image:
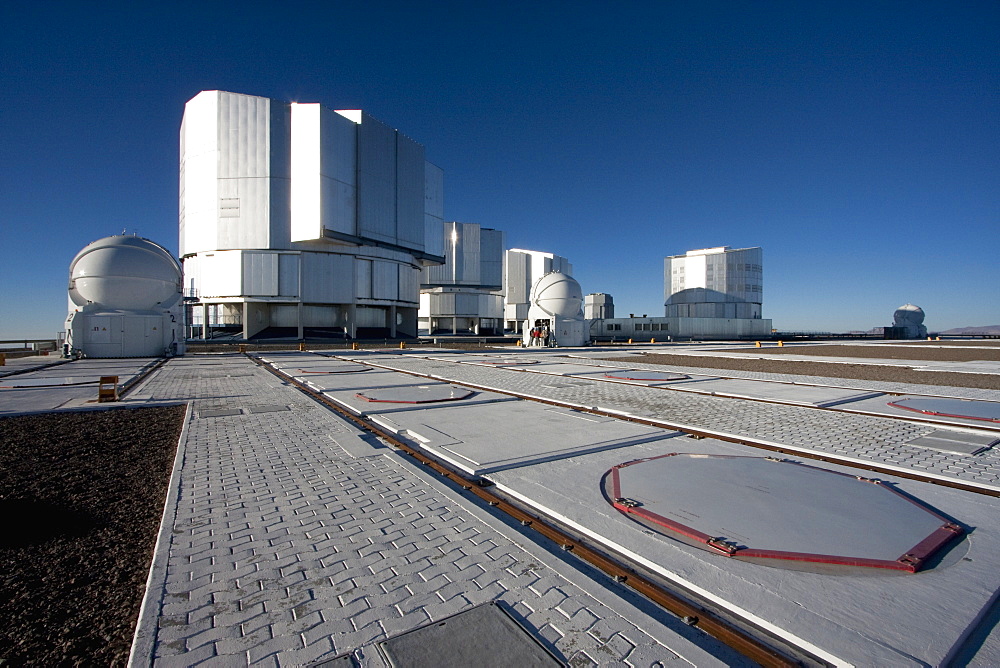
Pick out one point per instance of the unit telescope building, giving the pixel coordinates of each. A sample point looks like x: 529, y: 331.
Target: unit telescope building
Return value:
x: 300, y: 220
x: 464, y: 295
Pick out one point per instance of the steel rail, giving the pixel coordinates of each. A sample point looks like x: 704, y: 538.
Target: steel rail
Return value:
x: 689, y: 612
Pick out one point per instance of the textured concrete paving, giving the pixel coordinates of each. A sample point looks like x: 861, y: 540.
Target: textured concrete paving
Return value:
x: 849, y: 436
x: 293, y: 537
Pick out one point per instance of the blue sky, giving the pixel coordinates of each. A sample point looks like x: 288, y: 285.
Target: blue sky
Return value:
x: 857, y: 143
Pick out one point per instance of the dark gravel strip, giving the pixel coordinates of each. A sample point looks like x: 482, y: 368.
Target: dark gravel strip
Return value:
x: 888, y: 352
x: 888, y: 374
x: 81, y: 494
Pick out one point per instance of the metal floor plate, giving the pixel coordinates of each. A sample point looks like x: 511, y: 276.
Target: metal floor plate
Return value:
x: 807, y: 395
x: 776, y: 509
x: 645, y: 375
x: 219, y: 412
x: 479, y: 438
x: 988, y: 411
x: 485, y: 636
x: 418, y: 394
x: 958, y: 442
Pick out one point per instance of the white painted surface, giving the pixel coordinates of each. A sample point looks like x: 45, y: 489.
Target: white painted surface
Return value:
x: 850, y: 619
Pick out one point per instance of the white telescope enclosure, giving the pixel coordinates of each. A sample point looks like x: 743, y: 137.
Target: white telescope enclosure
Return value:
x: 124, y: 300
x: 297, y: 220
x: 464, y: 295
x: 522, y: 269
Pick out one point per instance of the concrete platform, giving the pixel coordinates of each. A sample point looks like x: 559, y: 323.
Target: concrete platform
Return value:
x: 490, y: 437
x: 291, y: 537
x: 806, y: 395
x: 881, y: 405
x: 69, y: 385
x: 845, y: 617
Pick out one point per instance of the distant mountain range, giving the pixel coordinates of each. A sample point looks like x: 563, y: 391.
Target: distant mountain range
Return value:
x: 988, y: 329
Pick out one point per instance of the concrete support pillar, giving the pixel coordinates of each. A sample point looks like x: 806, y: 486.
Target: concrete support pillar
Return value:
x: 204, y: 321
x: 298, y: 317
x: 392, y: 321
x: 246, y: 320
x: 454, y: 325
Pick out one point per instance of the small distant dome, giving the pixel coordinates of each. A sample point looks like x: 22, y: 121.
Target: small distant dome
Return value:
x: 908, y: 314
x: 124, y: 273
x: 558, y: 295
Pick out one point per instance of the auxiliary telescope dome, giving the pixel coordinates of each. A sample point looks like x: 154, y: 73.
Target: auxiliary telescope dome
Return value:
x: 557, y: 294
x: 125, y: 273
x: 908, y: 314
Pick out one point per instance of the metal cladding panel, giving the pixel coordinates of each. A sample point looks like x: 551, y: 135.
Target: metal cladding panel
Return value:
x: 260, y: 274
x: 199, y: 173
x: 442, y: 303
x: 371, y: 316
x: 441, y: 274
x: 306, y: 223
x: 376, y: 180
x: 490, y: 306
x: 410, y: 185
x: 385, y: 280
x: 191, y: 282
x: 328, y: 278
x: 363, y: 278
x: 339, y: 173
x: 244, y: 137
x: 324, y: 159
x: 279, y: 170
x: 221, y: 274
x: 466, y: 303
x: 518, y: 277
x: 491, y: 244
x: 243, y: 214
x: 288, y: 275
x: 433, y: 209
x: 468, y: 267
x: 409, y: 284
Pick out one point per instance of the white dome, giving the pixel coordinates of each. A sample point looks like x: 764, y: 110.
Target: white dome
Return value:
x: 124, y: 273
x: 908, y: 314
x: 558, y: 295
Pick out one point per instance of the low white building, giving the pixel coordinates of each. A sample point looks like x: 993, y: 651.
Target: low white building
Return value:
x: 661, y: 328
x: 523, y: 268
x: 298, y: 220
x: 464, y: 295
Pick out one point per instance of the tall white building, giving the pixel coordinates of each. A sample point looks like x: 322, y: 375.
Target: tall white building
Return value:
x: 522, y: 269
x: 718, y: 282
x: 464, y: 295
x: 303, y: 219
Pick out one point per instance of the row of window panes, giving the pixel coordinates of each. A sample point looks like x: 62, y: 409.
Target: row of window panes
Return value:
x: 639, y: 327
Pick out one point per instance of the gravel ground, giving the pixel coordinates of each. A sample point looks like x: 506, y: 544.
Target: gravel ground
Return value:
x: 892, y: 374
x: 82, y: 495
